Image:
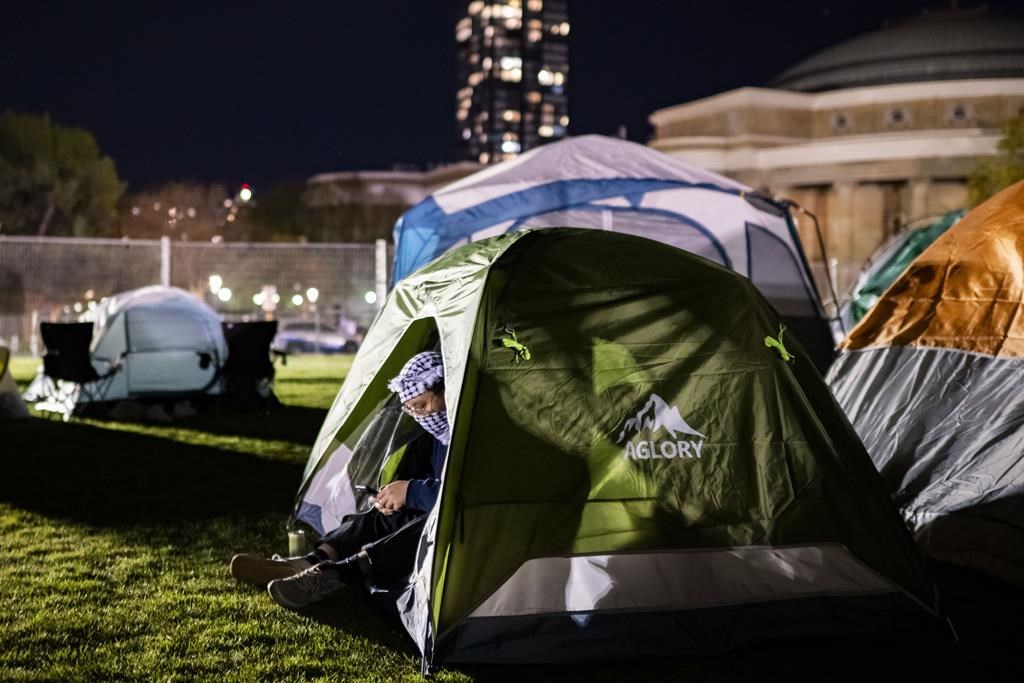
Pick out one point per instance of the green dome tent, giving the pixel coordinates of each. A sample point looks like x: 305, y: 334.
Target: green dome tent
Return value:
x: 640, y: 461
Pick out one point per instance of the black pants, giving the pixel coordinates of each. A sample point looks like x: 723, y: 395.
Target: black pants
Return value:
x: 389, y: 541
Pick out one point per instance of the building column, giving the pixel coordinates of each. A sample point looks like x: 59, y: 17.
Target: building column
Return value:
x: 842, y: 234
x: 920, y: 194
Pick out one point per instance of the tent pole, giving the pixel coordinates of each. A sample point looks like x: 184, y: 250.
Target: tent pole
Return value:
x: 824, y: 257
x: 381, y: 271
x: 165, y: 261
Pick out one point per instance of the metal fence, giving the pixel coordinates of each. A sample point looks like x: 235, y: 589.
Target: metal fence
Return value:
x: 61, y: 279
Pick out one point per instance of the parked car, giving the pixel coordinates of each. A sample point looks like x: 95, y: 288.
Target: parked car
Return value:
x: 304, y: 336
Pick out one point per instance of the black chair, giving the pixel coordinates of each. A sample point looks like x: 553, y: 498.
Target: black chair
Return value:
x: 248, y: 373
x: 67, y: 359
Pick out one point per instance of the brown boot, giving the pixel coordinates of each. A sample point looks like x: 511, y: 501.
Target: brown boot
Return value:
x: 260, y: 571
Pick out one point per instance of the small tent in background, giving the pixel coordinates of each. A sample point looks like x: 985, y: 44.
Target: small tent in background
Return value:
x: 11, y: 405
x: 639, y: 464
x: 609, y: 184
x: 154, y: 342
x: 931, y: 379
x: 887, y: 263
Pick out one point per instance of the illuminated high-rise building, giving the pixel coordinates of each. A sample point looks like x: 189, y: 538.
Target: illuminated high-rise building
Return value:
x: 513, y: 72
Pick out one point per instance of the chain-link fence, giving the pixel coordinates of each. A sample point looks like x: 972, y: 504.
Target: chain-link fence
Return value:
x: 60, y: 279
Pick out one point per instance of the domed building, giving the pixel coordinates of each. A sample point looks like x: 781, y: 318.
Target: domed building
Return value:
x: 870, y: 134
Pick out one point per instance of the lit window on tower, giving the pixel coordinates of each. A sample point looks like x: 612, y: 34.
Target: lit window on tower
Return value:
x: 507, y: 11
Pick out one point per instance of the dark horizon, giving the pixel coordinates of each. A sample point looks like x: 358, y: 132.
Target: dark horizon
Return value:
x: 264, y: 94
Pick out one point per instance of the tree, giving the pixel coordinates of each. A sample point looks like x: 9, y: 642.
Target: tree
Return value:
x: 53, y: 179
x: 992, y: 175
x: 181, y: 210
x: 279, y: 214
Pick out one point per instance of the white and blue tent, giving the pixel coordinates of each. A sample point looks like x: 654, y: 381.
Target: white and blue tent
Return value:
x: 609, y: 184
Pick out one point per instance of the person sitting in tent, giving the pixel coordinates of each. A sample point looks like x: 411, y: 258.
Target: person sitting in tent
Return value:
x: 379, y: 544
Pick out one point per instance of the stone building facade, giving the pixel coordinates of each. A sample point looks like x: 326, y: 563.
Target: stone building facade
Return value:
x: 871, y: 135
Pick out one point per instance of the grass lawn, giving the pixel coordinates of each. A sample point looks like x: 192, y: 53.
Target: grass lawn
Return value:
x: 115, y: 538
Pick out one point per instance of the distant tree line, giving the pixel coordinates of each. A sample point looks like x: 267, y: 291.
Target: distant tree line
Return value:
x: 54, y: 181
x: 1003, y: 170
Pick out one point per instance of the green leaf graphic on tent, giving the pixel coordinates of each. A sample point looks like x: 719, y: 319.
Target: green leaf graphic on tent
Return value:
x: 773, y: 343
x: 512, y: 342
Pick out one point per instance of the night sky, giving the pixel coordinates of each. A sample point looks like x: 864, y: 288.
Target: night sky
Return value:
x: 266, y: 92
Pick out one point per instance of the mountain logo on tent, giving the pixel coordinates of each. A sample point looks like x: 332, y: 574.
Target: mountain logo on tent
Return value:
x: 657, y: 415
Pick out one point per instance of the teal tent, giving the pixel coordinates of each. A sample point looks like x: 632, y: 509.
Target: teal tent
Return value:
x: 889, y: 262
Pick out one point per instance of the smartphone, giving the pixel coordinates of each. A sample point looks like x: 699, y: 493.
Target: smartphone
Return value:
x: 362, y: 488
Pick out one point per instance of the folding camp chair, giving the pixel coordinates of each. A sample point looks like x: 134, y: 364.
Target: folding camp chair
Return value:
x: 248, y: 374
x: 68, y: 368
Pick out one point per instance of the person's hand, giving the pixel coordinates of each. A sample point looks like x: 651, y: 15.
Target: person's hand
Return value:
x: 391, y: 498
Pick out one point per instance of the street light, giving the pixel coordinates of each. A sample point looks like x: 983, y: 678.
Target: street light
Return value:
x: 370, y: 297
x: 312, y: 294
x: 224, y: 294
x: 216, y: 282
x: 297, y: 300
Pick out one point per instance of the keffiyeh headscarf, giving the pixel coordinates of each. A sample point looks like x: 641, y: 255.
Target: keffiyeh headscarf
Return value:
x: 423, y: 372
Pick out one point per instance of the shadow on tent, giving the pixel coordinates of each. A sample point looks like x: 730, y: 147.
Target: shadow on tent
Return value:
x: 112, y: 478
